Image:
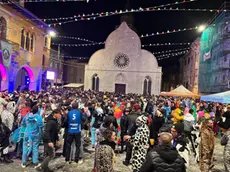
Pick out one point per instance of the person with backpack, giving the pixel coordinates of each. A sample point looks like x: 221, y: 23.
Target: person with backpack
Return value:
x: 33, y: 131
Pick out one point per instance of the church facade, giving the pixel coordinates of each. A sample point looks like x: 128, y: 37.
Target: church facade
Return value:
x: 122, y: 66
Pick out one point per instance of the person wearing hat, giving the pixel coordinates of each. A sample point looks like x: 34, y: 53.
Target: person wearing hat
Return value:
x: 140, y: 142
x: 163, y: 157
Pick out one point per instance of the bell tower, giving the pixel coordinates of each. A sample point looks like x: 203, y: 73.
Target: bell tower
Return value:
x: 128, y: 17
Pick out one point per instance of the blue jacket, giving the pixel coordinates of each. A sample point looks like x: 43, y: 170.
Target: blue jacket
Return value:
x: 74, y: 120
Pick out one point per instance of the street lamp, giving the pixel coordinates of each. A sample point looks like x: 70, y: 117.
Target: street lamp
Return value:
x: 52, y: 33
x: 201, y: 28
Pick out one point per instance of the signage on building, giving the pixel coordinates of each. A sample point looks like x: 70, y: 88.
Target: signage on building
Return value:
x: 6, y: 53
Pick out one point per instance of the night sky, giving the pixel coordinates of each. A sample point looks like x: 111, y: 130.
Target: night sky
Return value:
x: 144, y: 22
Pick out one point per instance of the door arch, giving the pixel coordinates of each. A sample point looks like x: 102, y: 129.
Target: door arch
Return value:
x: 3, y: 80
x: 24, y: 78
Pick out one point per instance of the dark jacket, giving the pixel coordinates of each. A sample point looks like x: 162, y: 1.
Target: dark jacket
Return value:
x: 51, y: 130
x: 132, y: 122
x: 124, y: 125
x: 163, y: 158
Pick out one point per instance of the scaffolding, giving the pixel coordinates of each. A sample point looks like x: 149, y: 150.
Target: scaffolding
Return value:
x: 214, y: 70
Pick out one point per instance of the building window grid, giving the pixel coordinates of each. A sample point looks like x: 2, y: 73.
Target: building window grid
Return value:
x: 27, y: 40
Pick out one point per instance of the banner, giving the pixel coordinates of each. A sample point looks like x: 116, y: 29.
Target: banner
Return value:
x: 207, y: 56
x: 6, y: 53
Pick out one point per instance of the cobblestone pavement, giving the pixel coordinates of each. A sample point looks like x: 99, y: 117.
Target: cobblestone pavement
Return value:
x: 87, y: 166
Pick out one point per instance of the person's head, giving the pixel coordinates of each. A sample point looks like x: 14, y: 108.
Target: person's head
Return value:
x: 108, y: 123
x: 209, y: 123
x: 56, y: 114
x: 173, y: 132
x: 141, y: 120
x: 127, y: 111
x: 109, y: 135
x: 228, y: 108
x: 165, y: 138
x: 34, y: 109
x: 75, y: 105
x: 191, y: 111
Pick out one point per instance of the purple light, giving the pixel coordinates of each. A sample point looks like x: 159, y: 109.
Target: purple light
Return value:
x: 3, y: 72
x: 30, y: 73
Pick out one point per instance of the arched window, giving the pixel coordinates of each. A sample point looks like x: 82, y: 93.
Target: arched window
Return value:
x: 27, y: 41
x: 95, y: 82
x: 147, y: 86
x: 32, y: 43
x: 23, y: 38
x: 3, y: 28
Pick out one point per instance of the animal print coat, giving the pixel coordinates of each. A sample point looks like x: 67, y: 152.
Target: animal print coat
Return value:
x: 105, y: 158
x: 207, y: 145
x: 140, y: 143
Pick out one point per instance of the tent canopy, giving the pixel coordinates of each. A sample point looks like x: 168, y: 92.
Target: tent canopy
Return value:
x: 180, y: 91
x: 73, y: 85
x: 223, y: 97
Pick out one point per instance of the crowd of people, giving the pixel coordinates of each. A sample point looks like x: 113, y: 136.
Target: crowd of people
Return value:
x: 156, y: 134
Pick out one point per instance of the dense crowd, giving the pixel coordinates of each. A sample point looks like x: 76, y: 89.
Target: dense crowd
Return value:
x: 157, y: 134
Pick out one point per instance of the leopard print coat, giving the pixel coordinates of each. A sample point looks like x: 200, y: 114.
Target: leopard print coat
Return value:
x: 105, y: 159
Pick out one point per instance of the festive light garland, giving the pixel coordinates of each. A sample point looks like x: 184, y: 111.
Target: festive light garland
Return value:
x: 76, y: 38
x: 166, y: 44
x: 171, y: 54
x: 111, y: 13
x: 169, y: 51
x: 142, y: 36
x: 169, y: 32
x: 83, y: 18
x: 79, y: 45
x: 40, y: 1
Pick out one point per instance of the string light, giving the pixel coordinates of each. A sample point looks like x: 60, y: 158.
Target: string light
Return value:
x: 163, y: 56
x: 79, y: 45
x: 168, y: 32
x: 169, y: 51
x: 41, y: 1
x: 76, y: 38
x: 142, y: 36
x: 117, y: 12
x: 85, y: 18
x: 165, y: 44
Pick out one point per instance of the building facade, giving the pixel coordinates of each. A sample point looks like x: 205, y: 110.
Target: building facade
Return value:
x: 122, y: 66
x: 25, y: 48
x: 74, y: 72
x: 214, y: 68
x: 189, y: 67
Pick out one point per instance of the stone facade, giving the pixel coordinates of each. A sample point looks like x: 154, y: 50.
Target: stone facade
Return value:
x: 30, y: 46
x: 189, y: 67
x: 123, y: 62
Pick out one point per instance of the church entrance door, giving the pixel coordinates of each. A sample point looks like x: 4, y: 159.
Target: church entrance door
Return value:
x: 120, y: 88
